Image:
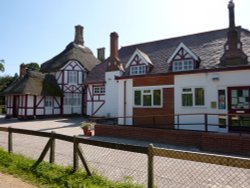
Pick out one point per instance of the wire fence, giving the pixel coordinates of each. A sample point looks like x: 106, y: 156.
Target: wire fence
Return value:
x: 149, y: 166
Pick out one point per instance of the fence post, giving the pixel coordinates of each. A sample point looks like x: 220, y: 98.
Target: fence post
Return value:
x: 150, y: 166
x: 75, y: 155
x: 10, y: 144
x: 205, y: 121
x: 52, y: 148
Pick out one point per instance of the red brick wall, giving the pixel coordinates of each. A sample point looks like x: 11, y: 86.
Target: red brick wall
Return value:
x: 162, y: 117
x: 219, y: 142
x: 153, y: 81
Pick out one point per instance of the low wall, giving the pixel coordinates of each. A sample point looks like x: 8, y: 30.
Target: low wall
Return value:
x: 216, y: 142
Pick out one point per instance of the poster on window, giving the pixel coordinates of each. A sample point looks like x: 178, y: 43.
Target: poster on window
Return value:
x: 222, y: 99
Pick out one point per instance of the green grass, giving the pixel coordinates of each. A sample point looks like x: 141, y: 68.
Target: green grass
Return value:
x: 51, y: 175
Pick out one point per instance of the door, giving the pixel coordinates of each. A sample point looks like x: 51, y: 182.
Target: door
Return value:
x: 15, y: 105
x: 239, y: 107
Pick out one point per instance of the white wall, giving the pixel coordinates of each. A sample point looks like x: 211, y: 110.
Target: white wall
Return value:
x: 129, y: 101
x: 95, y: 102
x: 205, y: 80
x: 111, y: 93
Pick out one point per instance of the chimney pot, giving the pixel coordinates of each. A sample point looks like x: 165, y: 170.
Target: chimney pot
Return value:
x: 101, y: 54
x: 79, y: 35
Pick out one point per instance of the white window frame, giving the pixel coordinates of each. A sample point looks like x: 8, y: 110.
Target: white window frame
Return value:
x: 98, y: 90
x: 183, y: 65
x: 138, y: 69
x: 72, y: 76
x: 145, y: 92
x: 192, y: 91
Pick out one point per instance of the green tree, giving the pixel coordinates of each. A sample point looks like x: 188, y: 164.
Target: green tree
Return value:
x: 33, y: 66
x: 2, y: 65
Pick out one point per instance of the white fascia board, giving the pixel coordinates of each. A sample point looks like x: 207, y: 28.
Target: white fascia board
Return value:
x: 182, y: 45
x: 154, y: 87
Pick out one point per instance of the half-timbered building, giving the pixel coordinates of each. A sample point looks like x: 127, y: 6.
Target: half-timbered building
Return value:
x: 68, y: 70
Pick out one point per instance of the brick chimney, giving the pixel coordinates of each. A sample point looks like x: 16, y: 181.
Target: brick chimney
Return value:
x: 233, y: 53
x: 79, y: 35
x: 101, y: 54
x: 114, y: 61
x: 22, y: 70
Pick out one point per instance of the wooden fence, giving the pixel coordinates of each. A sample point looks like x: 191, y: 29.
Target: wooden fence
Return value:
x: 150, y: 151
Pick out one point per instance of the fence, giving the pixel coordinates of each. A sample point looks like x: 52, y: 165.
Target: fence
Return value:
x: 165, y: 167
x: 196, y: 121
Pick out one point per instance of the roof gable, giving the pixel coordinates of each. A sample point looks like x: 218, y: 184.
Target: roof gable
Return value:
x: 139, y: 58
x: 182, y: 52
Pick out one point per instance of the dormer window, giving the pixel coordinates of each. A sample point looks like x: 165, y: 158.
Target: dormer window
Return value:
x: 138, y: 70
x: 183, y: 65
x: 139, y: 63
x: 183, y: 59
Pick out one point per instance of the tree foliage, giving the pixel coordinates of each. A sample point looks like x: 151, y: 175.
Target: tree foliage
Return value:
x: 2, y: 65
x: 33, y: 66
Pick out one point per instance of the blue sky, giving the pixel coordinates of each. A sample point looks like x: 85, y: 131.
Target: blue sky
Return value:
x: 35, y: 30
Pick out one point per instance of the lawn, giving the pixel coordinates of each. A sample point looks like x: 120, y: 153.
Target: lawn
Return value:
x: 51, y: 175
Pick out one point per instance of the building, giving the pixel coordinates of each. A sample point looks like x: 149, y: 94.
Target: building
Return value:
x: 58, y: 88
x: 183, y: 82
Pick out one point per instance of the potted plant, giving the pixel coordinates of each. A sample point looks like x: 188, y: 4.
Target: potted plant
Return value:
x: 87, y: 128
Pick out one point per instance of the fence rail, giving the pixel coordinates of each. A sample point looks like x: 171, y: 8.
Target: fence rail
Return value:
x: 150, y: 151
x: 199, y: 121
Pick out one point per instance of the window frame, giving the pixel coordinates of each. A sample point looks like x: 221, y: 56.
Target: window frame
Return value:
x: 99, y: 90
x: 192, y: 91
x: 179, y: 65
x: 138, y: 69
x: 73, y: 77
x: 146, y: 93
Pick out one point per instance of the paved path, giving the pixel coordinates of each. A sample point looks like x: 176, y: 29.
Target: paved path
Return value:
x: 8, y: 181
x: 120, y: 165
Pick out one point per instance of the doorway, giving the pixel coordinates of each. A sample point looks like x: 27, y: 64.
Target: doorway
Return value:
x: 239, y: 108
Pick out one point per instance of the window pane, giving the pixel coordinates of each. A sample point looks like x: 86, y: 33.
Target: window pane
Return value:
x: 147, y: 100
x: 187, y: 99
x: 199, y: 96
x: 137, y: 98
x: 157, y: 97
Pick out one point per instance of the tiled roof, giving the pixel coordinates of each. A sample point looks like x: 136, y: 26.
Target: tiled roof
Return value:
x: 34, y: 83
x: 72, y: 52
x: 208, y: 46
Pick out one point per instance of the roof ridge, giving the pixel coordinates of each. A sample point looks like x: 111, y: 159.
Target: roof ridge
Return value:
x: 172, y: 38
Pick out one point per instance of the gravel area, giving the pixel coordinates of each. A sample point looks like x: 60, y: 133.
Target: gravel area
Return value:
x: 120, y: 165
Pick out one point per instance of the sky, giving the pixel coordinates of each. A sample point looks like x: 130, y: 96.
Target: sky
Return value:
x: 36, y: 31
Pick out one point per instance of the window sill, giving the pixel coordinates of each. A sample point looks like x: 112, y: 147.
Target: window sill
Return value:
x: 147, y: 106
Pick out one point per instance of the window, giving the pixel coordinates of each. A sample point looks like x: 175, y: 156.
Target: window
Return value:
x: 148, y: 97
x: 193, y: 97
x: 222, y: 99
x: 72, y: 77
x: 183, y: 65
x: 187, y: 97
x: 138, y: 70
x: 199, y: 97
x: 48, y: 101
x: 74, y: 99
x: 99, y: 90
